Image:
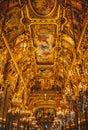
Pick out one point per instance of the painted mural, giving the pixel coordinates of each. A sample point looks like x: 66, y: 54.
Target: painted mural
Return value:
x: 43, y: 7
x: 13, y: 27
x: 45, y: 72
x: 44, y: 40
x: 43, y: 63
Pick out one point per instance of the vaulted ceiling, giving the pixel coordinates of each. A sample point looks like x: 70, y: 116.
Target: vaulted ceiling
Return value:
x: 43, y: 52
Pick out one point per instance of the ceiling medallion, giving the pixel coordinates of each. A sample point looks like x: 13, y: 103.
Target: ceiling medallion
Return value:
x: 43, y: 7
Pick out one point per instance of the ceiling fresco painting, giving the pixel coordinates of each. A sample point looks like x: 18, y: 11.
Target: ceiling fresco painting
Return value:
x: 44, y: 40
x: 43, y: 64
x: 42, y: 7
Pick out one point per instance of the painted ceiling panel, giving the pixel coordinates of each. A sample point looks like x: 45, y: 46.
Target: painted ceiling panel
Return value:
x: 43, y: 54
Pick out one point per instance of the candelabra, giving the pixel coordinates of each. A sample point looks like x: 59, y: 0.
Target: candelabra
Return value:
x: 79, y: 103
x: 21, y: 119
x: 63, y: 118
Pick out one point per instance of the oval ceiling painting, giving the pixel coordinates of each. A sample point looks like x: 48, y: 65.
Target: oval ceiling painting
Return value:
x: 43, y: 7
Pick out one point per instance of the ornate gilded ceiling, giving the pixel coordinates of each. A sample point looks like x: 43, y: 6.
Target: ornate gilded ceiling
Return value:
x: 43, y: 51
